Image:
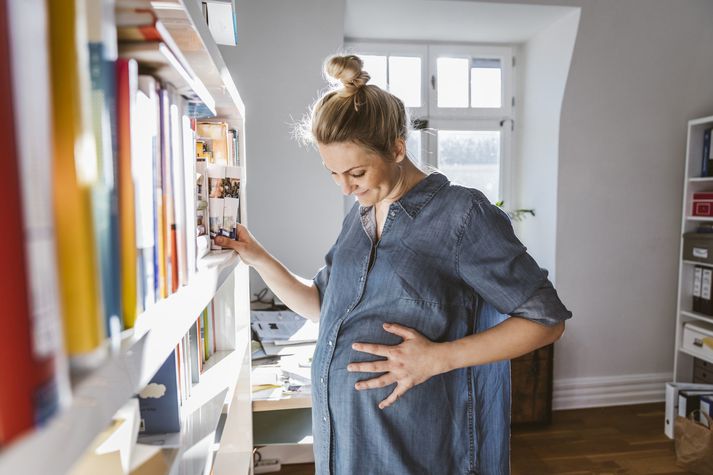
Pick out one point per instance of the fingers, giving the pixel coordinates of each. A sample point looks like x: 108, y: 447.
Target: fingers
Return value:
x: 399, y: 391
x: 223, y: 241
x: 369, y: 367
x: 371, y: 348
x: 404, y: 332
x: 380, y: 382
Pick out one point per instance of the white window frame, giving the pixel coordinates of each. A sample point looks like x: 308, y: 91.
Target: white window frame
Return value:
x: 470, y: 118
x: 503, y: 53
x: 399, y: 49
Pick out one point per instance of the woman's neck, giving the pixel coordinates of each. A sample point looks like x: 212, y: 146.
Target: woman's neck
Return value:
x: 409, y: 176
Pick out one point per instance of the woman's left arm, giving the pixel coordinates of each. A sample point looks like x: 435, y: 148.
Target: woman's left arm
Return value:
x: 417, y: 358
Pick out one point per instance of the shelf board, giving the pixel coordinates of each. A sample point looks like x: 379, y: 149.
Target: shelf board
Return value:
x: 100, y: 393
x: 696, y: 263
x: 698, y: 218
x: 697, y: 179
x: 292, y: 401
x: 698, y: 316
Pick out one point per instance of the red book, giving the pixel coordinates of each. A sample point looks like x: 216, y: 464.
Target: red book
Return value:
x: 28, y: 395
x: 16, y: 362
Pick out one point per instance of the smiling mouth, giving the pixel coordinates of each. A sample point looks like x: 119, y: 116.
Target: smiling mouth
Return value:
x: 360, y: 194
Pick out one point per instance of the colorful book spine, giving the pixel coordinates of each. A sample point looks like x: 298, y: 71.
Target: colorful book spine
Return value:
x: 126, y: 91
x: 75, y: 175
x: 102, y: 56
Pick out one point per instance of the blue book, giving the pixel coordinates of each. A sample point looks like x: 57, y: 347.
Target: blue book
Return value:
x: 159, y: 401
x: 705, y: 162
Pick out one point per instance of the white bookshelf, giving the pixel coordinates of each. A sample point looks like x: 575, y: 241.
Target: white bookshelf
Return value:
x: 223, y: 392
x: 693, y: 182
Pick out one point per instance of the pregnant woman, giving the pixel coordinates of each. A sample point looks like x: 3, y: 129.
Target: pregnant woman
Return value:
x: 423, y: 300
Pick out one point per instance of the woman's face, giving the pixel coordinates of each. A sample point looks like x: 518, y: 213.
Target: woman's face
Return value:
x: 360, y: 172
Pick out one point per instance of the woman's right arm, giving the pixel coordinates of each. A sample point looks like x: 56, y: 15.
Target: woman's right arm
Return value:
x: 298, y: 293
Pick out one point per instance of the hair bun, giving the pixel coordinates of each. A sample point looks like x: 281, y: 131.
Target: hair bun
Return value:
x: 347, y: 70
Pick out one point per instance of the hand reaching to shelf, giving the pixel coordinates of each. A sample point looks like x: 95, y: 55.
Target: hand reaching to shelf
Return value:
x: 249, y: 249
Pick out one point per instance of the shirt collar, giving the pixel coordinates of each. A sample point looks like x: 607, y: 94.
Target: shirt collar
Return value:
x: 419, y: 196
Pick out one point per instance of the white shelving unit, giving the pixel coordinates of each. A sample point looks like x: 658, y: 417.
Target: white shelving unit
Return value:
x: 224, y: 392
x: 683, y: 360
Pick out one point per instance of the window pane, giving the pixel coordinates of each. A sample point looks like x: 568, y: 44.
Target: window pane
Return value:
x: 405, y: 79
x: 413, y: 148
x: 472, y: 159
x: 485, y: 83
x: 452, y: 82
x: 376, y: 67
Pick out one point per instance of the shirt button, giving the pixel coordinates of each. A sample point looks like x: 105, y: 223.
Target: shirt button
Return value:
x: 321, y: 380
x: 393, y: 213
x: 330, y: 343
x: 324, y: 419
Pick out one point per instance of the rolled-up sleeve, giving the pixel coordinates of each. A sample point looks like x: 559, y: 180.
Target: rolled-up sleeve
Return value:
x: 321, y: 279
x: 491, y: 260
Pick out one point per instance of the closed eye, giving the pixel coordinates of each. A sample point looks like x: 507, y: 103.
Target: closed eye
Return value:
x: 358, y: 175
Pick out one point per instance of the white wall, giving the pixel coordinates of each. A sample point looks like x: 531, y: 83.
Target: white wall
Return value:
x: 639, y: 72
x: 294, y: 208
x: 542, y: 67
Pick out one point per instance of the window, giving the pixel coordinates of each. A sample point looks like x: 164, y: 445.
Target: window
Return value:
x: 464, y: 95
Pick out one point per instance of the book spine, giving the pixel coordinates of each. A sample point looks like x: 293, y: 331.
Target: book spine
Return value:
x: 16, y: 356
x: 705, y: 159
x: 75, y: 174
x: 145, y: 126
x: 697, y: 280
x: 127, y: 77
x: 102, y: 55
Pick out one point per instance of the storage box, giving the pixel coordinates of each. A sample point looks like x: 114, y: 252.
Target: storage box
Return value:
x: 698, y: 247
x: 702, y: 204
x: 698, y: 339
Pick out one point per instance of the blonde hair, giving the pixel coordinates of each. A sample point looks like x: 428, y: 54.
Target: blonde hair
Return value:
x: 356, y: 112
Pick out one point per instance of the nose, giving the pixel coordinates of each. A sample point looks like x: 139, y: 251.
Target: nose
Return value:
x: 345, y: 185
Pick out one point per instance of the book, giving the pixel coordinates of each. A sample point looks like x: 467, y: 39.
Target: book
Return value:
x: 75, y: 175
x: 221, y: 21
x: 101, y: 47
x: 159, y: 400
x: 127, y: 77
x: 189, y: 176
x: 16, y: 411
x: 169, y: 206
x: 706, y: 158
x: 139, y: 25
x: 180, y: 277
x: 689, y: 400
x: 144, y: 123
x: 706, y: 299
x: 697, y: 278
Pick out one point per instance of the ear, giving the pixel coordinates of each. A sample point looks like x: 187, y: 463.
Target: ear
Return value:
x: 399, y: 150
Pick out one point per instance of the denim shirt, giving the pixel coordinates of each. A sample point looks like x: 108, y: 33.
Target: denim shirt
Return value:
x: 447, y: 265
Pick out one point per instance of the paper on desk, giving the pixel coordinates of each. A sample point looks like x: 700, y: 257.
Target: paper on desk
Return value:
x: 283, y: 327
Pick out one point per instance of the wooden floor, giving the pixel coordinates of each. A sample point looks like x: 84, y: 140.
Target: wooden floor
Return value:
x: 601, y: 441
